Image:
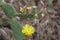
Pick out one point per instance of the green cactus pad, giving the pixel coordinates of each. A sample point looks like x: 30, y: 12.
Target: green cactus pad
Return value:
x: 17, y: 29
x: 9, y: 10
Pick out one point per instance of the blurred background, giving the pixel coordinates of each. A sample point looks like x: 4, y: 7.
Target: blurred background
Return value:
x: 44, y: 15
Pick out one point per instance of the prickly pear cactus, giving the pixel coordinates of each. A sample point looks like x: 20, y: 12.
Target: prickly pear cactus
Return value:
x: 15, y: 25
x: 9, y: 10
x: 0, y: 2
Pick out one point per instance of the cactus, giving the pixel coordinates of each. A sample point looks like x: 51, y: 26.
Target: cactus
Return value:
x: 15, y: 25
x: 9, y: 10
x: 0, y: 2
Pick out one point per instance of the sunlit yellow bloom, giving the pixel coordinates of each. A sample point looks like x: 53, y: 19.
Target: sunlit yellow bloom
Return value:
x: 28, y: 30
x: 21, y: 9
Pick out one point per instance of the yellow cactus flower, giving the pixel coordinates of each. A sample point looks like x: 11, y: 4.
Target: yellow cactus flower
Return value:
x: 28, y: 30
x: 21, y: 9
